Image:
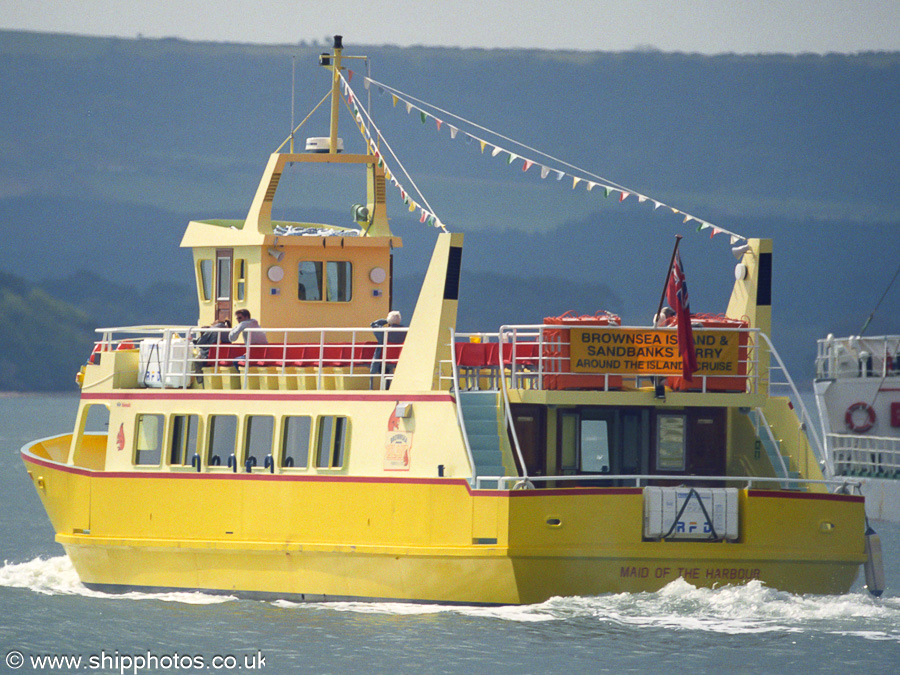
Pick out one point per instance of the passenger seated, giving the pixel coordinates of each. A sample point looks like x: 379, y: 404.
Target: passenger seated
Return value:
x: 253, y: 336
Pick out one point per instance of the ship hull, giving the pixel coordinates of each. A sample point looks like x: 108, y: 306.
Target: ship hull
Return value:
x: 421, y: 540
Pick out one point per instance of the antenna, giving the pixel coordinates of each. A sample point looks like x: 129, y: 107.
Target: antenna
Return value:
x: 293, y: 78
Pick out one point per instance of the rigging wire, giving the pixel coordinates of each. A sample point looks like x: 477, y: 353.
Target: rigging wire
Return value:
x: 883, y: 296
x: 382, y: 139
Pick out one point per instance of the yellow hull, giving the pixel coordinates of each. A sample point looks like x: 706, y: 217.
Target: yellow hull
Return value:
x: 426, y: 540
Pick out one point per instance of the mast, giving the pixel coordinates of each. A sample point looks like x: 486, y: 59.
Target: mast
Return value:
x: 335, y: 92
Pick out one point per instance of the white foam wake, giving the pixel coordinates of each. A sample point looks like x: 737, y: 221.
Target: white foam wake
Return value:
x: 57, y: 576
x: 746, y: 609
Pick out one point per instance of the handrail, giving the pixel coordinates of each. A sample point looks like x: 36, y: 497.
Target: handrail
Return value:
x: 761, y: 417
x: 507, y: 411
x: 459, y: 415
x: 840, y: 484
x: 797, y: 402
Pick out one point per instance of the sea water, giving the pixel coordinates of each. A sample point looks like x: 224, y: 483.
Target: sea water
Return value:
x: 50, y: 623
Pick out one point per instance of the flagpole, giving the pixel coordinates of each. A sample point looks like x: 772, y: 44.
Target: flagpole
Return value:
x: 668, y: 274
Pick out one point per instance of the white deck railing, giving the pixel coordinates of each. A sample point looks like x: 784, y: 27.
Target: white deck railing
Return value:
x: 855, y: 356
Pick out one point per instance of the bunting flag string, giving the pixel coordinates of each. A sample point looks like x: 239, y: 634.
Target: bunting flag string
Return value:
x: 426, y: 215
x: 609, y: 187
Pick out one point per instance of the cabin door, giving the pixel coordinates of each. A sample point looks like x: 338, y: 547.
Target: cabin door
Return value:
x: 224, y: 266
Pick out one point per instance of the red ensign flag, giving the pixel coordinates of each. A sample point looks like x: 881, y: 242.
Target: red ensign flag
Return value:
x: 677, y: 297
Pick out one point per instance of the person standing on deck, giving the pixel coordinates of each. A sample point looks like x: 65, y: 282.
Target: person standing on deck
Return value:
x: 386, y: 337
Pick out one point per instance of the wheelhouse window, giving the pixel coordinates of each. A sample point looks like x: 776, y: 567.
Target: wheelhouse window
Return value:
x: 184, y: 439
x: 148, y: 440
x: 258, y: 439
x: 339, y: 277
x: 205, y: 270
x: 670, y: 442
x: 223, y: 278
x: 295, y: 441
x: 331, y: 281
x: 240, y: 280
x: 222, y: 438
x: 330, y: 442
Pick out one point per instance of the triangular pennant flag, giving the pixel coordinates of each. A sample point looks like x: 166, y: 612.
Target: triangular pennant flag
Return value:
x: 624, y: 196
x: 412, y: 206
x: 591, y: 185
x: 483, y: 144
x: 686, y: 218
x: 439, y: 123
x: 559, y: 175
x: 350, y: 98
x: 715, y: 231
x: 674, y: 210
x: 656, y: 204
x: 527, y: 165
x: 607, y: 191
x: 349, y: 76
x: 734, y: 240
x: 431, y: 220
x: 512, y: 158
x: 575, y: 181
x: 453, y: 131
x: 409, y: 107
x: 496, y: 151
x: 545, y: 171
x: 423, y: 116
x: 394, y: 100
x: 641, y: 199
x: 424, y: 216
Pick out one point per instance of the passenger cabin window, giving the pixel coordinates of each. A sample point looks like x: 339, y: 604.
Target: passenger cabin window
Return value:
x: 332, y: 281
x: 258, y: 439
x: 184, y: 439
x: 330, y: 442
x: 295, y: 441
x: 222, y: 439
x: 205, y: 269
x: 148, y: 441
x: 670, y: 442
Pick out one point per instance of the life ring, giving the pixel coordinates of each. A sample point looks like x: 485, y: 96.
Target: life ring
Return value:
x: 852, y: 419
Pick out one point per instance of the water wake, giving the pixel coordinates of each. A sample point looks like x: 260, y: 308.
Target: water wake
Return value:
x: 56, y: 576
x: 733, y: 610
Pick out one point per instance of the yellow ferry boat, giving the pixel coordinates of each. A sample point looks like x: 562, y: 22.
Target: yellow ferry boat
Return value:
x: 558, y: 459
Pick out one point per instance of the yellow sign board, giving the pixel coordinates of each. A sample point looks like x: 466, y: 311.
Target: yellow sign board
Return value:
x: 645, y: 351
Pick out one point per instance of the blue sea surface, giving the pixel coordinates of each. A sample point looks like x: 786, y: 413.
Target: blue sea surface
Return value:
x: 46, y: 612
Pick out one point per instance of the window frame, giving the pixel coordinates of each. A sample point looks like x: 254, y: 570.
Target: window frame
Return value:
x: 160, y: 433
x: 332, y: 435
x: 286, y: 435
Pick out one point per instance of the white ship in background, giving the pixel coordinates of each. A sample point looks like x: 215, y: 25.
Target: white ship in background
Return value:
x: 857, y: 389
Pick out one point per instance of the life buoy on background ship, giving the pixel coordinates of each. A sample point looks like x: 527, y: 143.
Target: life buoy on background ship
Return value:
x: 860, y: 417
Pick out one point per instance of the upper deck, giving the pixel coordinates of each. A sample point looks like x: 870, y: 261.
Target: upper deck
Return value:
x: 542, y: 363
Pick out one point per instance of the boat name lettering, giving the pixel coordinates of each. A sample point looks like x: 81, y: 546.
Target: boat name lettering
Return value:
x: 689, y: 573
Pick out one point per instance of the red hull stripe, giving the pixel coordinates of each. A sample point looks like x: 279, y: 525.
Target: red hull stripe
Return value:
x: 179, y: 395
x: 228, y: 475
x: 805, y: 495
